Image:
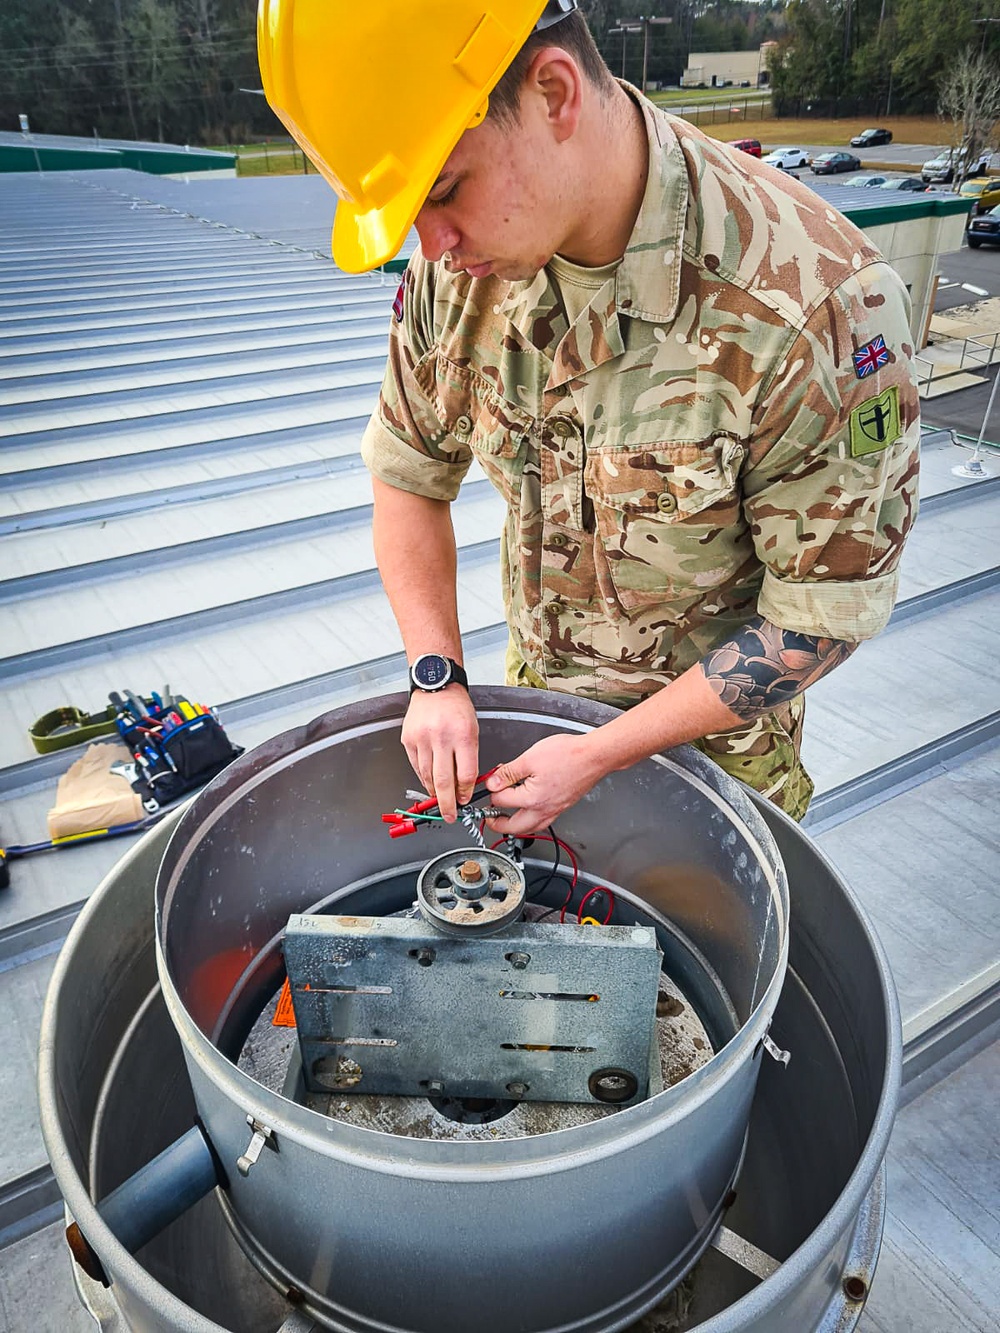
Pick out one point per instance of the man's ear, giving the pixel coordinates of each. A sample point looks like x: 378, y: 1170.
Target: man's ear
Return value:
x: 555, y: 79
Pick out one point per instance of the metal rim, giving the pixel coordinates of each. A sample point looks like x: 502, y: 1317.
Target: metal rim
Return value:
x: 868, y: 1175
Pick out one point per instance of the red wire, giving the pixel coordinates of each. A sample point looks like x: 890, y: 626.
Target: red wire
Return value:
x: 562, y: 910
x: 586, y: 898
x: 544, y: 837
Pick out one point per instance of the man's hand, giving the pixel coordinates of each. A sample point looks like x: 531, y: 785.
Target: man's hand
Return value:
x: 543, y: 782
x: 441, y: 738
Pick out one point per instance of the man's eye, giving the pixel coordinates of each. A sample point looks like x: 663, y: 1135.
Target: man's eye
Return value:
x: 443, y: 199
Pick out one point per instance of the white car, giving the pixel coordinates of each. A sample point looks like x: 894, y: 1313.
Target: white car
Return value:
x: 940, y: 170
x: 787, y: 159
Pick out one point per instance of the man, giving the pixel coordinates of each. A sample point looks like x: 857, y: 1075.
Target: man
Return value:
x: 690, y: 379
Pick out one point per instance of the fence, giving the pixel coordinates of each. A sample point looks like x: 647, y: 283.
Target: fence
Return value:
x: 273, y: 157
x: 728, y: 112
x: 874, y: 107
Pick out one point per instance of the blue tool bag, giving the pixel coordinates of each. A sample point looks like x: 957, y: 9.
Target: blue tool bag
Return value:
x: 177, y: 746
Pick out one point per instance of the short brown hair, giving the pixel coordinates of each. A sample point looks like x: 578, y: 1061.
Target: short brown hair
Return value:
x: 574, y: 36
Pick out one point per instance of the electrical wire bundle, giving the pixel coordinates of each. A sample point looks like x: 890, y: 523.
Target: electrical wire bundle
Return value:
x: 425, y: 810
x: 535, y: 891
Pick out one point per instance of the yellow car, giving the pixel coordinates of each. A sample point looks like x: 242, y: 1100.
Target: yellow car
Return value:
x: 985, y: 190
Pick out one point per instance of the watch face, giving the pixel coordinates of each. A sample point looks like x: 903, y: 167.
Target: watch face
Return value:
x: 430, y: 672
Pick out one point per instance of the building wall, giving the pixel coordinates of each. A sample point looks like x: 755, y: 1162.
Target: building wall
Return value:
x: 912, y: 247
x: 713, y: 67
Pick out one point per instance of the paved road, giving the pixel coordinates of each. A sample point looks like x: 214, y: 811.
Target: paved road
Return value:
x: 909, y: 154
x: 968, y: 275
x: 965, y: 276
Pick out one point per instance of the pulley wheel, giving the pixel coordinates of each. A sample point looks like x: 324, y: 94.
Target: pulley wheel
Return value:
x: 470, y: 891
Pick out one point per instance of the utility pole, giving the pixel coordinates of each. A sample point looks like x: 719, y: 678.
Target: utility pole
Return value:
x: 624, y: 29
x: 640, y: 24
x: 985, y: 23
x: 645, y: 47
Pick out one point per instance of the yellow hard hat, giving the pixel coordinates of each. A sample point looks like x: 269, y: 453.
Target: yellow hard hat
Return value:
x: 378, y: 94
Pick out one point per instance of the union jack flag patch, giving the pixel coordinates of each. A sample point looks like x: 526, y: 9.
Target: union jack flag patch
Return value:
x: 867, y: 359
x: 397, y: 305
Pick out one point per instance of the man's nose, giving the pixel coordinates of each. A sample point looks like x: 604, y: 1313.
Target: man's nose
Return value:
x: 436, y: 235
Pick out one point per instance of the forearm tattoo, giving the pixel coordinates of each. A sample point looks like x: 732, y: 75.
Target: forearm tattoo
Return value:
x: 763, y: 666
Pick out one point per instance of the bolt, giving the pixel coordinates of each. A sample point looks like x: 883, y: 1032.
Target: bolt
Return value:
x: 471, y: 871
x: 855, y: 1289
x: 517, y: 1089
x: 519, y: 960
x: 434, y: 1087
x: 425, y: 957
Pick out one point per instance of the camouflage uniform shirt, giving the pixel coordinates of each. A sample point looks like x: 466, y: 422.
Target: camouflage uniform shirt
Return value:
x: 702, y: 445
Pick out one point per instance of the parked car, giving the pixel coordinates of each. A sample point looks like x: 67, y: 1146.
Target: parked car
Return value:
x: 828, y: 164
x: 751, y: 146
x: 941, y: 170
x: 986, y: 192
x: 913, y: 183
x: 984, y: 230
x: 871, y: 138
x: 787, y: 159
x: 865, y: 182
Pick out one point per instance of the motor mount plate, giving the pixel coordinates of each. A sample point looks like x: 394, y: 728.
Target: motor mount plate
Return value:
x: 538, y: 1012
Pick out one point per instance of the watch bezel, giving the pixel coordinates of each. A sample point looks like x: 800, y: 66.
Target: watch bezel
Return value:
x: 432, y: 689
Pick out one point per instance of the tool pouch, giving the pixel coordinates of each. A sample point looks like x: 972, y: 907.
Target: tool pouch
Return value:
x: 174, y: 753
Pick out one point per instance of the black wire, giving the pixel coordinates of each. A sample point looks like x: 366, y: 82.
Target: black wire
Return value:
x: 564, y: 904
x: 538, y: 889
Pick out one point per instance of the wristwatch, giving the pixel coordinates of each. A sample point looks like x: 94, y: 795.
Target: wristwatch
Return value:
x: 432, y: 672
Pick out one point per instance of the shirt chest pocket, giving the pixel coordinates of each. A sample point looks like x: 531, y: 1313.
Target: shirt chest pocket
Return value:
x: 472, y: 411
x: 668, y: 519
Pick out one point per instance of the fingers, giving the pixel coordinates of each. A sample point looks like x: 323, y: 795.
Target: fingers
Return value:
x: 443, y: 783
x: 506, y: 775
x: 519, y: 823
x: 466, y: 771
x: 441, y: 738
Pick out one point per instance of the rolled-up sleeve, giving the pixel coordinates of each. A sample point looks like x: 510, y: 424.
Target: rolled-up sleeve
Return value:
x: 406, y: 444
x: 830, y: 487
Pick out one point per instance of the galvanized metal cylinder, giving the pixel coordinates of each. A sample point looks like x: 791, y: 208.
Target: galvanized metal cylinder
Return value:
x: 825, y: 1209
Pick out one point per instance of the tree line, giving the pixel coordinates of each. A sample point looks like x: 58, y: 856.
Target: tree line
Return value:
x: 887, y: 56
x: 179, y: 70
x: 186, y: 70
x: 169, y: 70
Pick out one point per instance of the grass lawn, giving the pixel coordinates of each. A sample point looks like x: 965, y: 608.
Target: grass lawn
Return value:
x: 283, y: 160
x: 686, y: 96
x: 775, y: 133
x: 252, y: 161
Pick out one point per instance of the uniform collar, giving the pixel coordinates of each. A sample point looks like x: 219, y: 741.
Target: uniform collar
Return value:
x: 647, y: 283
x: 649, y: 280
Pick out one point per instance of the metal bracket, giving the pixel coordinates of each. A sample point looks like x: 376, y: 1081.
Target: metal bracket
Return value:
x: 263, y: 1136
x: 742, y: 1252
x: 775, y: 1051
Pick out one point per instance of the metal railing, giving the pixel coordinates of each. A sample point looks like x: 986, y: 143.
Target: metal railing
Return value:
x: 981, y: 349
x: 975, y: 353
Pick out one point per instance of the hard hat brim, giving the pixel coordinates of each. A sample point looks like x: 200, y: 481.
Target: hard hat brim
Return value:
x: 365, y: 238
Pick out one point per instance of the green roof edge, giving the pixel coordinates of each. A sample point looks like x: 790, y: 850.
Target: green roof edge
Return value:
x: 912, y: 208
